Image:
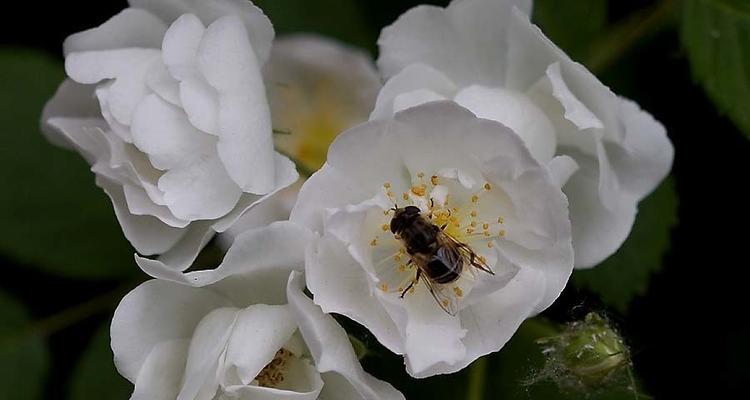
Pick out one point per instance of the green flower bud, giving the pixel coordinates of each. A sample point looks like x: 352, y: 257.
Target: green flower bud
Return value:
x: 587, y: 354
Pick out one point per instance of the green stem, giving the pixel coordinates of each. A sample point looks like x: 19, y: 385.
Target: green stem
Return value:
x: 477, y: 378
x: 623, y: 36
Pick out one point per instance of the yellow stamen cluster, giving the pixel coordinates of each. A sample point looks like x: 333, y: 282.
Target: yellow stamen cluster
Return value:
x: 272, y: 375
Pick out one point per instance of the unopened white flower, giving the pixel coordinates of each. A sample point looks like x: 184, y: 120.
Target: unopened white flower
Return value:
x: 470, y: 176
x: 317, y: 88
x: 487, y: 56
x: 243, y: 331
x: 166, y: 100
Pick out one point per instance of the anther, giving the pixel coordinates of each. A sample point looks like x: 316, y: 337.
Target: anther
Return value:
x: 418, y: 190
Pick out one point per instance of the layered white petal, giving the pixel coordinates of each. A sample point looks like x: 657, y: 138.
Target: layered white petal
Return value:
x: 182, y: 122
x: 226, y: 59
x: 154, y: 312
x: 130, y: 28
x: 260, y: 31
x: 175, y: 341
x: 466, y: 40
x: 594, y: 127
x: 161, y: 374
x: 332, y: 351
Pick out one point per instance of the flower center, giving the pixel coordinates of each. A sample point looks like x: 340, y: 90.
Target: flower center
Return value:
x: 462, y: 209
x: 272, y: 375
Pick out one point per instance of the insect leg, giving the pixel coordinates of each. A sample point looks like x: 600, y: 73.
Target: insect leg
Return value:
x: 414, y: 281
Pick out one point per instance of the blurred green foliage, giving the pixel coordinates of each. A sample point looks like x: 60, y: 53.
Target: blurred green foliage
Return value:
x: 572, y: 25
x: 626, y: 274
x: 94, y: 376
x: 716, y: 36
x: 339, y: 19
x: 54, y: 217
x: 24, y: 357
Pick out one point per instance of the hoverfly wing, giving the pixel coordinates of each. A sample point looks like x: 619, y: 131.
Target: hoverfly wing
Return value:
x: 442, y: 295
x: 468, y: 255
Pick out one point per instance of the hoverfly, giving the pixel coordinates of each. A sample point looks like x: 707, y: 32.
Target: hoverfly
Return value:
x: 439, y: 258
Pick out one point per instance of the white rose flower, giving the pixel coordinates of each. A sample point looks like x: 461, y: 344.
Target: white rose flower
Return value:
x: 238, y: 334
x: 488, y: 57
x: 166, y: 100
x: 317, y: 88
x: 474, y: 178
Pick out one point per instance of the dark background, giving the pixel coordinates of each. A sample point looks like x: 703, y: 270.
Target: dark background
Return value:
x: 689, y: 333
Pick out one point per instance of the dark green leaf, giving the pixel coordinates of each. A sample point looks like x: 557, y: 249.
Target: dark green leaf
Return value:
x: 716, y: 35
x: 24, y: 357
x: 626, y: 274
x: 572, y: 25
x: 95, y: 376
x: 339, y: 19
x: 54, y: 217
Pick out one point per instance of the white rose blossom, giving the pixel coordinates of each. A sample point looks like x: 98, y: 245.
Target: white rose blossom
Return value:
x: 487, y: 56
x: 167, y: 102
x: 317, y: 88
x: 473, y: 176
x: 245, y: 330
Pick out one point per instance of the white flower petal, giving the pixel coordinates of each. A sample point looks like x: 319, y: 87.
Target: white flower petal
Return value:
x: 208, y: 342
x: 340, y: 285
x: 128, y: 67
x: 332, y: 351
x: 464, y: 40
x: 645, y: 155
x: 82, y: 133
x: 140, y: 204
x: 161, y: 373
x: 154, y: 312
x: 199, y: 190
x: 162, y: 131
x: 201, y: 104
x: 163, y: 84
x: 326, y: 186
x: 260, y: 331
x: 492, y: 323
x: 228, y: 63
x: 260, y: 30
x: 599, y: 229
x: 433, y: 338
x: 279, y: 245
x: 147, y: 234
x: 561, y: 168
x: 130, y: 28
x: 71, y: 100
x: 415, y: 77
x: 180, y: 47
x: 516, y: 111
